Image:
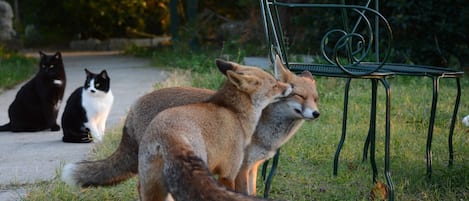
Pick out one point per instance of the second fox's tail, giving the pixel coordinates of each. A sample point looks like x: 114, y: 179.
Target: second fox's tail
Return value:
x: 120, y: 166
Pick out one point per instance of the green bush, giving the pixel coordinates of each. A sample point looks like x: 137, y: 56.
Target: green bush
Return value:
x: 93, y: 19
x: 425, y: 32
x: 430, y: 32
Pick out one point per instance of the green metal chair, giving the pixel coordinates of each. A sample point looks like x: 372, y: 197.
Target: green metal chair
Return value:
x: 358, y: 40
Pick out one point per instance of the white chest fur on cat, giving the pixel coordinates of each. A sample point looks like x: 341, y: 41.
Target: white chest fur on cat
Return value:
x: 97, y: 105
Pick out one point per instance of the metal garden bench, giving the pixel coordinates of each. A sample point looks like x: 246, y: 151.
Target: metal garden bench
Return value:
x: 358, y: 48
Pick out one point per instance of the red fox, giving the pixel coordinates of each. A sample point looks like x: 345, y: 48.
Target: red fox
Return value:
x: 215, y: 132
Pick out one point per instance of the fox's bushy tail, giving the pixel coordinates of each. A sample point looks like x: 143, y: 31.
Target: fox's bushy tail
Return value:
x: 118, y: 167
x: 188, y: 179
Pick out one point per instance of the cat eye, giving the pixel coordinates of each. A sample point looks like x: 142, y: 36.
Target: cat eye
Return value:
x: 43, y: 66
x: 51, y: 66
x: 97, y: 84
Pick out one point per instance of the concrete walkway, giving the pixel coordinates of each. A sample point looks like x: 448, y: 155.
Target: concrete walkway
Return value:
x: 33, y: 157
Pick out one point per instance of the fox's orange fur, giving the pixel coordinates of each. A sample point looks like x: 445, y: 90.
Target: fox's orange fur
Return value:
x: 215, y: 132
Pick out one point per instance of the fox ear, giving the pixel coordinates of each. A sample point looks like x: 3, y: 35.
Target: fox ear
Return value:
x: 224, y: 66
x: 242, y: 81
x: 307, y: 74
x: 283, y: 74
x: 234, y: 78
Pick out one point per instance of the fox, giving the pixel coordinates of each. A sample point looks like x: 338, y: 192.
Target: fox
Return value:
x: 282, y: 118
x: 279, y: 122
x: 218, y: 136
x: 215, y: 131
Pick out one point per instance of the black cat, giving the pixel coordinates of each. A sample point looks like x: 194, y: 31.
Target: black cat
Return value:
x: 37, y: 103
x: 87, y: 109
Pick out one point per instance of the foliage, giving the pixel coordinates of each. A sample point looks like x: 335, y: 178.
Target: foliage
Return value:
x: 104, y: 19
x: 425, y: 32
x: 14, y: 68
x: 94, y: 19
x: 430, y: 32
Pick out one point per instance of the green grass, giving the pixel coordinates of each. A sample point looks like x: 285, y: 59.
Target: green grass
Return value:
x: 305, y: 169
x: 15, y: 68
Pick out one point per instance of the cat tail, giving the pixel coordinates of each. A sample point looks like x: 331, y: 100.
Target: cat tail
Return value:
x: 6, y: 127
x: 120, y: 166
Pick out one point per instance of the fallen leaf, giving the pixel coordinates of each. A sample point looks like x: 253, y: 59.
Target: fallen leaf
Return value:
x: 379, y: 192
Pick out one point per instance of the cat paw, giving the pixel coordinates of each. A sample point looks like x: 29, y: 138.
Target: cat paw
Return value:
x: 55, y: 128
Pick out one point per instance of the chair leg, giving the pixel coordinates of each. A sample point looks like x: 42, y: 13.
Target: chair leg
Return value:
x: 344, y: 127
x: 453, y: 122
x: 387, y: 143
x: 372, y: 129
x: 366, y: 147
x: 431, y: 125
x: 270, y: 177
x: 264, y: 169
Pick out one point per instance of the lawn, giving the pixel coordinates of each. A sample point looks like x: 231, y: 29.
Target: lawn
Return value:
x: 305, y: 169
x: 15, y: 68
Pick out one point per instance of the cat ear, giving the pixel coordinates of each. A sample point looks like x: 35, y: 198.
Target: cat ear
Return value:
x: 88, y: 73
x: 41, y: 54
x: 104, y: 74
x: 58, y: 55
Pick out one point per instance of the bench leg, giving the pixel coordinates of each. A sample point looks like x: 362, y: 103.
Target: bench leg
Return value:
x: 436, y: 81
x: 372, y: 129
x: 387, y: 143
x: 453, y: 122
x: 270, y: 177
x: 344, y: 127
x: 366, y: 147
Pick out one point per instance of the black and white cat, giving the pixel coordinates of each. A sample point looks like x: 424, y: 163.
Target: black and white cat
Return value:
x: 37, y: 103
x: 87, y: 109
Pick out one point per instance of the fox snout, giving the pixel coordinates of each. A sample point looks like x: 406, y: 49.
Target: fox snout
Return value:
x: 309, y: 113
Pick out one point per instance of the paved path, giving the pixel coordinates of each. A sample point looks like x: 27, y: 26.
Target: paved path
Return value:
x: 32, y: 157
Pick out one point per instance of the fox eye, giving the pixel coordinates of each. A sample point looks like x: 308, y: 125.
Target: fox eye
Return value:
x: 301, y: 96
